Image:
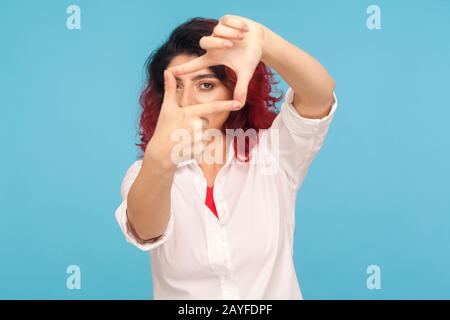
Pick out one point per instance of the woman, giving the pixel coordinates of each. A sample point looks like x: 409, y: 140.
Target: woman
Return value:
x: 224, y: 229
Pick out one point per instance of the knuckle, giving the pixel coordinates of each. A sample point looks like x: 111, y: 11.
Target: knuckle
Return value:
x: 236, y: 32
x: 196, y: 125
x: 187, y: 113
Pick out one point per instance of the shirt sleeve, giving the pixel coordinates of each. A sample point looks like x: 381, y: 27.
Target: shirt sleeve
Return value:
x: 122, y: 219
x: 298, y: 140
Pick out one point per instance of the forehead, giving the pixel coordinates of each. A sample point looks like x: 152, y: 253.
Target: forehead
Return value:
x: 181, y: 59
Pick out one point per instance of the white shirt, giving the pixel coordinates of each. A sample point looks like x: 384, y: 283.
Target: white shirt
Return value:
x: 248, y: 252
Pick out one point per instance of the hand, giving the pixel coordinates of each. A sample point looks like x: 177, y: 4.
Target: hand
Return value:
x: 236, y: 42
x: 192, y: 119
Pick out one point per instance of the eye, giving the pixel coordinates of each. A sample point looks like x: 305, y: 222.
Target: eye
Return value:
x: 209, y: 86
x: 205, y: 86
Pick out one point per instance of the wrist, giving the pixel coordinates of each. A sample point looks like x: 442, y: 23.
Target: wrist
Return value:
x: 268, y: 46
x: 159, y: 155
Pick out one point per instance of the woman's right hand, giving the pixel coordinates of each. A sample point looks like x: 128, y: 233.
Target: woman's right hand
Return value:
x: 181, y: 127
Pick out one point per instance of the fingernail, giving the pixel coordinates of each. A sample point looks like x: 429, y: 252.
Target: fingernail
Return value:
x: 241, y: 34
x: 236, y: 104
x: 228, y: 44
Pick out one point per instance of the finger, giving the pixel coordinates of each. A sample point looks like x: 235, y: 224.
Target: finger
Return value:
x: 210, y: 42
x: 206, y: 109
x: 170, y: 87
x: 240, y: 91
x: 226, y: 32
x: 234, y: 23
x: 192, y: 66
x: 201, y: 124
x: 205, y: 123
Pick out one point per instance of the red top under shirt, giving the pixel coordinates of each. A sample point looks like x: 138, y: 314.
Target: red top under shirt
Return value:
x: 209, y: 201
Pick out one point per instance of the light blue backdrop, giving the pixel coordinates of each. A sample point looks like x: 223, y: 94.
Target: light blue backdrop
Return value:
x: 377, y: 194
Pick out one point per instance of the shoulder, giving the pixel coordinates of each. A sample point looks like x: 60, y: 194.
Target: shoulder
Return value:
x: 135, y: 165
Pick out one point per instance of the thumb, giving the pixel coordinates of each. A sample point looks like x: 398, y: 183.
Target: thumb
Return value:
x: 240, y: 91
x: 170, y: 87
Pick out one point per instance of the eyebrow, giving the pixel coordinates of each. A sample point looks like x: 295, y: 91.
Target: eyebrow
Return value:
x: 201, y: 76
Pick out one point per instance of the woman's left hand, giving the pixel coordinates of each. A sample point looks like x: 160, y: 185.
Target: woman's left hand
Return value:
x: 236, y: 42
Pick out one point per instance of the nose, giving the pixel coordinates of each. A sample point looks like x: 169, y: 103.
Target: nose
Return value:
x: 187, y: 97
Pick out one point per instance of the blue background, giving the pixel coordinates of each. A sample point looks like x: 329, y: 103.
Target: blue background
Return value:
x: 378, y: 192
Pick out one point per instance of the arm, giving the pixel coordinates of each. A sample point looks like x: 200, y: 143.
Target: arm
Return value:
x: 312, y: 84
x: 149, y: 197
x: 305, y: 116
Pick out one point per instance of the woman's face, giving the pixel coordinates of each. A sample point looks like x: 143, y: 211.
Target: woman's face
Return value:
x: 200, y: 87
